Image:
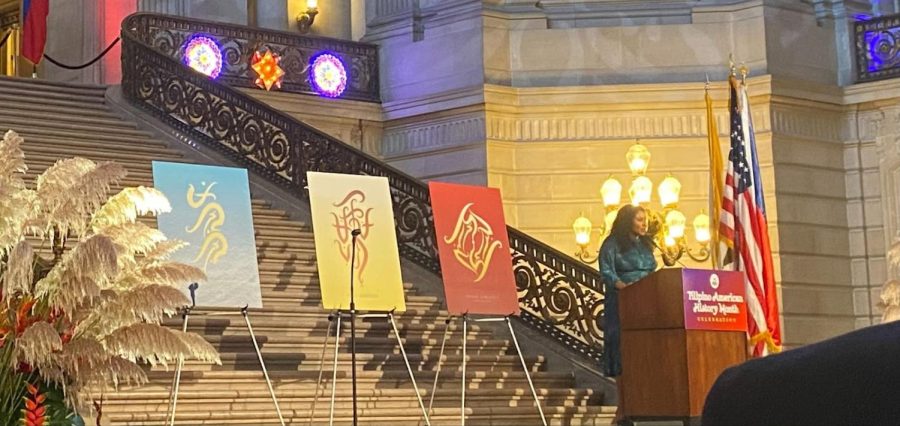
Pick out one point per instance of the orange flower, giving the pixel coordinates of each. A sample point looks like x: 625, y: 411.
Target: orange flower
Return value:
x: 35, y: 412
x: 24, y: 317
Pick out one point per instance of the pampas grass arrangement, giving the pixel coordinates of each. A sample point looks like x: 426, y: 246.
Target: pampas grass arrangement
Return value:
x: 83, y: 287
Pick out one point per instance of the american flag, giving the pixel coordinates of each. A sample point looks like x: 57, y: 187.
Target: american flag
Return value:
x: 743, y: 227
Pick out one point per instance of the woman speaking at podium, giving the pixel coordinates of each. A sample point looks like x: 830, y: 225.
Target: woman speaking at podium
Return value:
x: 626, y: 256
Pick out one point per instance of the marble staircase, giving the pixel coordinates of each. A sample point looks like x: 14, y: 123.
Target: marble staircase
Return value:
x: 62, y: 120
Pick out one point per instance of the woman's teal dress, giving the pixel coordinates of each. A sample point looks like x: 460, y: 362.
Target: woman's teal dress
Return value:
x: 627, y: 266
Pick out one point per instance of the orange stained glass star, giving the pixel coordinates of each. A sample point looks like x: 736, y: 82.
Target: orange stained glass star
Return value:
x: 267, y: 69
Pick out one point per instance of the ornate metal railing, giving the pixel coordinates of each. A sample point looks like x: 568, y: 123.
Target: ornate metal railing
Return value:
x: 877, y: 48
x: 558, y: 294
x: 8, y: 19
x: 168, y: 34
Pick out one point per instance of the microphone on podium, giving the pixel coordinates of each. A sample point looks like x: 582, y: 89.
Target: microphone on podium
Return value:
x: 356, y: 232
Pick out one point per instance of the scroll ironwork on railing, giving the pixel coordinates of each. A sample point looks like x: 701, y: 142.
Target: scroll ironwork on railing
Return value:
x: 169, y: 34
x: 8, y: 19
x: 877, y: 48
x: 558, y: 294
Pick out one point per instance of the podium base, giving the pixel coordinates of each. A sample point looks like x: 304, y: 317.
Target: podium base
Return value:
x: 661, y: 421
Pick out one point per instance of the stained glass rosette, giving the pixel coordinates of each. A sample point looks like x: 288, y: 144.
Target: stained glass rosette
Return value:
x: 327, y: 75
x: 203, y: 54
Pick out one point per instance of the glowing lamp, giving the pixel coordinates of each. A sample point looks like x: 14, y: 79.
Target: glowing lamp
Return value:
x: 611, y: 192
x: 203, y: 55
x: 638, y: 158
x: 312, y: 4
x: 669, y: 191
x: 669, y: 241
x: 609, y: 219
x: 701, y: 228
x: 641, y: 188
x: 269, y: 73
x: 327, y: 75
x: 675, y: 222
x: 582, y: 227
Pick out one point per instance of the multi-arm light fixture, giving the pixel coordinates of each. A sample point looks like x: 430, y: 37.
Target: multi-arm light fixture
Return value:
x: 667, y: 225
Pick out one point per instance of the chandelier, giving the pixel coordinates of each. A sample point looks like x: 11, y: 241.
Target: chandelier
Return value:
x: 666, y: 225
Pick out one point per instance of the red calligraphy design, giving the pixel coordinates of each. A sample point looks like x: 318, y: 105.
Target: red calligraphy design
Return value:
x: 350, y: 214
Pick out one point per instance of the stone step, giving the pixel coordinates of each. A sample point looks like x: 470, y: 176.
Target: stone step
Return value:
x: 493, y: 416
x: 305, y: 291
x: 37, y: 167
x: 294, y: 361
x: 272, y: 332
x: 272, y: 254
x: 477, y: 415
x: 74, y: 111
x: 388, y: 345
x: 202, y: 381
x: 284, y: 317
x: 297, y: 229
x: 73, y: 127
x: 129, y: 181
x: 96, y: 122
x: 284, y: 245
x: 287, y: 302
x: 398, y: 399
x: 29, y: 130
x: 124, y: 156
x: 283, y: 267
x: 49, y: 97
x: 410, y: 299
x: 406, y: 407
x: 303, y: 288
x: 64, y: 144
x: 36, y: 86
x: 273, y: 216
x: 237, y: 338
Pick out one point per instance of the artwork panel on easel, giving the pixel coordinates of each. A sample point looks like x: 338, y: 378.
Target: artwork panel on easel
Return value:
x: 476, y: 264
x: 339, y: 204
x: 211, y: 211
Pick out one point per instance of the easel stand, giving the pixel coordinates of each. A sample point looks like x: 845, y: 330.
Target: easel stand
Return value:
x: 339, y: 317
x: 173, y: 397
x: 465, y: 338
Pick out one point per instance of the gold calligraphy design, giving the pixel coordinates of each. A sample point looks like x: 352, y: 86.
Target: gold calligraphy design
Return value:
x: 209, y: 220
x: 350, y: 214
x: 473, y: 241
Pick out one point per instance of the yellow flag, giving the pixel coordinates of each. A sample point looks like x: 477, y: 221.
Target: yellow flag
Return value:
x: 340, y: 205
x: 716, y: 180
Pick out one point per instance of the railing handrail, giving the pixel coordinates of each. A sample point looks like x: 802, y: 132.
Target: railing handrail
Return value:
x: 362, y: 57
x: 867, y: 67
x: 559, y: 294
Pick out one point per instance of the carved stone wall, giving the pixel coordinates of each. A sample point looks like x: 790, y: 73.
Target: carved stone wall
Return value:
x: 873, y: 158
x: 449, y: 146
x: 353, y: 122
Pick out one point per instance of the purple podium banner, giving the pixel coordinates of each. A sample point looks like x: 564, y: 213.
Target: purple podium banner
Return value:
x: 714, y: 300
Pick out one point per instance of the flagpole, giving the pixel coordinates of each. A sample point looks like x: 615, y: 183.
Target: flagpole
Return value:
x: 716, y: 178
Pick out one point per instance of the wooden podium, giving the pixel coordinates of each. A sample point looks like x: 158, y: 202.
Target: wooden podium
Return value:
x: 680, y: 329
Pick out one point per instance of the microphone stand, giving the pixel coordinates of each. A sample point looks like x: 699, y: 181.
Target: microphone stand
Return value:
x: 354, y: 234
x: 176, y: 381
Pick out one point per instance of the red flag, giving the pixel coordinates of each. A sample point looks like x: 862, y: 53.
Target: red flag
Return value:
x: 34, y: 30
x: 743, y: 226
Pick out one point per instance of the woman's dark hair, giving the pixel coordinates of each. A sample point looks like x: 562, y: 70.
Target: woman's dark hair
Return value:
x: 621, y: 227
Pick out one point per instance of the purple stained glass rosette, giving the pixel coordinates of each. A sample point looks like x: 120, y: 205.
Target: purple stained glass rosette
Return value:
x: 203, y: 54
x: 882, y: 49
x: 327, y: 75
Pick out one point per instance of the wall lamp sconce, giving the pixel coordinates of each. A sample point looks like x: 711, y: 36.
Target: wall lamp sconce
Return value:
x: 305, y: 19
